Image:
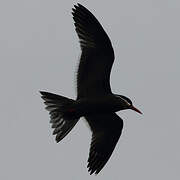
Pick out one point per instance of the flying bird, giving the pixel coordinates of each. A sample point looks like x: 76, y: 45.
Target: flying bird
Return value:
x: 95, y: 100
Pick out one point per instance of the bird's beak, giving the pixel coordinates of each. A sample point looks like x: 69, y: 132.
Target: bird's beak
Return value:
x: 135, y: 109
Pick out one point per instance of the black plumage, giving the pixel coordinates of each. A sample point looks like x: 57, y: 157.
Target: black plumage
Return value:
x: 97, y: 54
x: 95, y: 100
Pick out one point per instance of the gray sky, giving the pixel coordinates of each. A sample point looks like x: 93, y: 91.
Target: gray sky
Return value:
x: 39, y: 50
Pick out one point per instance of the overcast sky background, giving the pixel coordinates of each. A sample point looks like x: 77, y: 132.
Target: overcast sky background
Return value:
x: 39, y: 50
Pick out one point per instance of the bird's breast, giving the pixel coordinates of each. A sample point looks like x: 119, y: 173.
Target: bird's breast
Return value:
x: 97, y: 105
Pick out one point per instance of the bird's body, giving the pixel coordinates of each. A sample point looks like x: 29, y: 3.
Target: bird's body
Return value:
x: 95, y: 100
x: 94, y: 105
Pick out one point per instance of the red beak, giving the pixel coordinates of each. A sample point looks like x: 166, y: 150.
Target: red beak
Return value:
x: 135, y: 109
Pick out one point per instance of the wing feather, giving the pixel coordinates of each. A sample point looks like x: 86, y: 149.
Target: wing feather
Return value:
x: 97, y: 54
x: 106, y: 129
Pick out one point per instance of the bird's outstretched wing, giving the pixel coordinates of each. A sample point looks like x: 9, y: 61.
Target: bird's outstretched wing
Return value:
x: 106, y: 130
x: 97, y: 54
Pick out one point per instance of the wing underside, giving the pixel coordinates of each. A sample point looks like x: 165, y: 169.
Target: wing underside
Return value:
x: 97, y: 54
x: 106, y: 129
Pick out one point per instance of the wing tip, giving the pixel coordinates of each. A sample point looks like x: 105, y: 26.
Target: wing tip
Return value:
x: 79, y: 7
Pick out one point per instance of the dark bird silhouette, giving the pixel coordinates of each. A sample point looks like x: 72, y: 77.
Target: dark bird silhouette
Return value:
x: 95, y: 101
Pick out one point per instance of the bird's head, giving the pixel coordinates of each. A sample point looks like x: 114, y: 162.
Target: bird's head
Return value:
x: 126, y: 103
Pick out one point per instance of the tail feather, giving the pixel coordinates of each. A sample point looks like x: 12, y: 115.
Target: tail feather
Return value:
x: 58, y: 106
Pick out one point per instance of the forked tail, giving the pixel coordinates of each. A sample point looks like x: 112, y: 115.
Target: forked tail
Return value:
x: 61, y: 113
